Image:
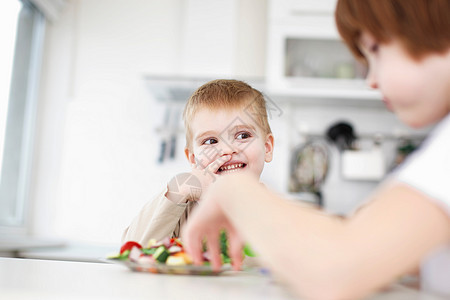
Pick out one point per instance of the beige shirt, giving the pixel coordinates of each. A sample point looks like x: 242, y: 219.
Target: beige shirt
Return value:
x: 159, y: 218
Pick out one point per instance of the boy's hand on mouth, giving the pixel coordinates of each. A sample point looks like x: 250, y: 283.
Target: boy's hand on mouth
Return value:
x: 186, y: 187
x: 212, y: 169
x: 207, y: 175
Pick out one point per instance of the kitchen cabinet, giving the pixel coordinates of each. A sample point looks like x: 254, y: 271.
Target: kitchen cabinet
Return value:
x: 223, y: 38
x: 305, y: 56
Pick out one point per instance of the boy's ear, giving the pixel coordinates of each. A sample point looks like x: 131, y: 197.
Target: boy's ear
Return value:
x: 269, y: 148
x: 189, y: 155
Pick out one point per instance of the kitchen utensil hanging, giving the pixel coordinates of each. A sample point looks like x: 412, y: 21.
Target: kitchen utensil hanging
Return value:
x: 168, y: 132
x: 309, y: 168
x: 342, y: 134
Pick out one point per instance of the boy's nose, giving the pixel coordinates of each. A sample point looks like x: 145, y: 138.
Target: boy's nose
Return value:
x: 227, y: 148
x: 371, y: 81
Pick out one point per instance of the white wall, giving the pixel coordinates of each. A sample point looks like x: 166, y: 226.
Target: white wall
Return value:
x: 97, y: 148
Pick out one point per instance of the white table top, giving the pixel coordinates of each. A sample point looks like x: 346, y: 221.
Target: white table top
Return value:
x: 47, y: 279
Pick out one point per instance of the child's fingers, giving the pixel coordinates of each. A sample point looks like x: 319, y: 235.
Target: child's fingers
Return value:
x: 194, y: 246
x: 214, y: 251
x: 216, y: 164
x: 235, y: 248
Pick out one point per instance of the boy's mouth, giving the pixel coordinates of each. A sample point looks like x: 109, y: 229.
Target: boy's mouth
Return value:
x: 231, y: 168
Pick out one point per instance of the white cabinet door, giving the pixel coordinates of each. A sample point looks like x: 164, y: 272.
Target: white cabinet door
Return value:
x: 290, y: 10
x: 223, y: 38
x: 306, y: 58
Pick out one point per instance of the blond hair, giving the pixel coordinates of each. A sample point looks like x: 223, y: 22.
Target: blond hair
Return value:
x: 422, y: 26
x: 226, y: 94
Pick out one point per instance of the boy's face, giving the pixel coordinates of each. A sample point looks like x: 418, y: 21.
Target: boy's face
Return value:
x: 416, y: 90
x: 229, y: 132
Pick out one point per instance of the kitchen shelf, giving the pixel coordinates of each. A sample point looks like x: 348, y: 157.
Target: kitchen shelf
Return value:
x: 180, y: 88
x: 307, y: 62
x: 338, y: 91
x: 172, y: 88
x: 327, y: 88
x: 177, y: 89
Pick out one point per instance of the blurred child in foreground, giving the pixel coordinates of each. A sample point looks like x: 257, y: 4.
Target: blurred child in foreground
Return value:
x: 406, y: 45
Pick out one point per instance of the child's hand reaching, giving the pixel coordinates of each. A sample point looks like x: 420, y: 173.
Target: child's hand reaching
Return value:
x: 206, y: 223
x: 186, y: 187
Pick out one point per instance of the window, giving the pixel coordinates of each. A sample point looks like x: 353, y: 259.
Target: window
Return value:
x: 9, y: 15
x: 21, y: 33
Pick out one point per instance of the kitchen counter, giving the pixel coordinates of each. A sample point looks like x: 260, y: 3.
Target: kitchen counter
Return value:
x: 10, y: 246
x: 70, y: 252
x: 47, y: 279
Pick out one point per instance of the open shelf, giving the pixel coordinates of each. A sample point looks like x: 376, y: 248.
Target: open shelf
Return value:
x: 178, y: 89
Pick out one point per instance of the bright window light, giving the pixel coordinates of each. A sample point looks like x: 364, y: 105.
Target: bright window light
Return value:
x: 9, y: 12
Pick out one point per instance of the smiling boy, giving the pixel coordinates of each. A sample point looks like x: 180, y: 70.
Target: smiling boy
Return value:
x: 227, y: 131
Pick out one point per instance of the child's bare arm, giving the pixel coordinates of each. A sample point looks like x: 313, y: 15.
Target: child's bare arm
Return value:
x: 378, y: 244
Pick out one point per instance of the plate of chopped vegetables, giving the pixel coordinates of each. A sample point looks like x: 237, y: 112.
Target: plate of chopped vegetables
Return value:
x: 166, y: 257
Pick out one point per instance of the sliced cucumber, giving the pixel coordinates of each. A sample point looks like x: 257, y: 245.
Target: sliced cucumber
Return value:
x: 161, y: 254
x: 124, y: 255
x: 150, y: 251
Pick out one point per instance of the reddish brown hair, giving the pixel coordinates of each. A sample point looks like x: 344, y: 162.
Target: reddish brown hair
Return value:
x: 423, y: 26
x: 226, y: 94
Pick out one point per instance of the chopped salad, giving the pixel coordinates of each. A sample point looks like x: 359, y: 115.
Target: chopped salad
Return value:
x: 169, y: 251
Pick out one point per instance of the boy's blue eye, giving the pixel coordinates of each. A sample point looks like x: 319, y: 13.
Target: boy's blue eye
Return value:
x: 243, y: 135
x: 210, y: 141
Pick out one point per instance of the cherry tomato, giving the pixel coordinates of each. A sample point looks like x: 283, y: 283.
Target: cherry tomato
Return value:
x: 129, y: 245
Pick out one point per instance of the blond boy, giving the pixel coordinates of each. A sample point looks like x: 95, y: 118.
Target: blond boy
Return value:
x: 227, y: 131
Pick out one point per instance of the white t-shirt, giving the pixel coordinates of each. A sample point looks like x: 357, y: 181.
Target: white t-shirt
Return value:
x: 428, y: 170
